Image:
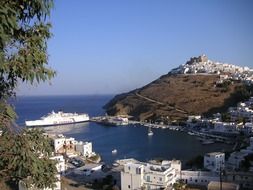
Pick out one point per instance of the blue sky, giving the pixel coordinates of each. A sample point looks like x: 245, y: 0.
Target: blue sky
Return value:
x: 113, y: 46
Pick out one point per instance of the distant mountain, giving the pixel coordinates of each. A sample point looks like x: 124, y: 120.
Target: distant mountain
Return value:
x: 199, y: 87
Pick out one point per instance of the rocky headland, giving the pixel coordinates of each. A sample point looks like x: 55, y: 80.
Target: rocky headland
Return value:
x: 198, y: 87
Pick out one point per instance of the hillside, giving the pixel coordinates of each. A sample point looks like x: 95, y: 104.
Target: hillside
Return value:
x: 174, y: 96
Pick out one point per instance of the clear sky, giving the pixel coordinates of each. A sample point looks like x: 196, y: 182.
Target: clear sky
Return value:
x: 113, y: 46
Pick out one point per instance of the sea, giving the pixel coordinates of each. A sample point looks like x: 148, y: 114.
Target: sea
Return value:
x: 130, y: 141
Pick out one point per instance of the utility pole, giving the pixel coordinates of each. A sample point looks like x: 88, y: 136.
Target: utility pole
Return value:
x: 221, y: 171
x: 220, y: 179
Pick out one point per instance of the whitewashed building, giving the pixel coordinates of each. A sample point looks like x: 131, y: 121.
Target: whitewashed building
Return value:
x: 201, y: 178
x: 225, y: 128
x: 60, y: 165
x: 62, y: 144
x: 84, y: 148
x: 137, y: 175
x: 236, y: 158
x: 214, y: 161
x: 192, y: 118
x: 132, y: 176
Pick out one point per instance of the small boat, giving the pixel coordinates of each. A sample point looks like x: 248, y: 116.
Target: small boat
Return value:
x: 150, y: 132
x: 114, y: 151
x: 190, y: 133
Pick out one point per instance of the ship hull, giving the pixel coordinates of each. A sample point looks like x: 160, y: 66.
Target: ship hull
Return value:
x: 48, y: 125
x: 59, y: 118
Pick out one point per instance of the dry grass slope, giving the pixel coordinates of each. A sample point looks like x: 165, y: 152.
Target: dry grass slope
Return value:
x: 174, y: 97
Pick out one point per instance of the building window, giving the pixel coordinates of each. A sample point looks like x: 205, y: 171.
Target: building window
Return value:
x: 160, y: 179
x: 138, y: 171
x: 129, y: 186
x: 196, y: 180
x: 148, y: 178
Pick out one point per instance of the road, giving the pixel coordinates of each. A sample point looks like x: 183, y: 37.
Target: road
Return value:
x: 161, y: 103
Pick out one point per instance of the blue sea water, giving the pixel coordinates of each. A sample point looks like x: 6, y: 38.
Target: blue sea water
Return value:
x: 130, y: 141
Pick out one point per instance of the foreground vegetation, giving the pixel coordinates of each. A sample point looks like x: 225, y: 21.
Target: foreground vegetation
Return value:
x: 24, y: 31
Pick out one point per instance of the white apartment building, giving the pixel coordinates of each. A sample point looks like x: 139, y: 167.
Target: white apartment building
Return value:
x: 132, y: 176
x: 137, y: 175
x: 84, y: 148
x: 214, y: 161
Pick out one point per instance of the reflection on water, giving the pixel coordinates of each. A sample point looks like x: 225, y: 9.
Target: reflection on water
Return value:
x: 66, y: 129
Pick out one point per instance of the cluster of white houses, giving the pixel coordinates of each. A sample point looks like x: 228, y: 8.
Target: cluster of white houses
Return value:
x: 64, y: 147
x: 241, y: 120
x: 71, y: 147
x: 201, y: 64
x: 243, y: 110
x: 139, y: 175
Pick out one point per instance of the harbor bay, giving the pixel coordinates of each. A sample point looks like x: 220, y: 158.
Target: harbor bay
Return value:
x: 129, y: 141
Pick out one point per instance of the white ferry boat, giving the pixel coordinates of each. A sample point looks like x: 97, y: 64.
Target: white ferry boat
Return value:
x: 59, y: 118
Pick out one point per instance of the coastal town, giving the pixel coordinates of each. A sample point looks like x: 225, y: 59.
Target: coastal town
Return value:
x: 126, y: 95
x: 77, y: 161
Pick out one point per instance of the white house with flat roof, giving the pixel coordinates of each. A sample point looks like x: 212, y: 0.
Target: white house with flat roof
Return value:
x: 63, y: 144
x: 84, y: 148
x: 137, y: 175
x: 214, y: 161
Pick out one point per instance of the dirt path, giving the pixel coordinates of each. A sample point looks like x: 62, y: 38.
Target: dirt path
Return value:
x: 161, y: 103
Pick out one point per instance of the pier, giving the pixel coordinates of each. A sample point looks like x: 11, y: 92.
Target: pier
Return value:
x: 107, y: 120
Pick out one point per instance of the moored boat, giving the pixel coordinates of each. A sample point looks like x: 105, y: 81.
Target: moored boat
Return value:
x: 59, y: 118
x: 114, y: 151
x: 150, y: 132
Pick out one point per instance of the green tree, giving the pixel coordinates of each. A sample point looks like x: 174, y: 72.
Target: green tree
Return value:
x: 24, y: 31
x: 179, y: 185
x: 226, y: 117
x: 26, y: 157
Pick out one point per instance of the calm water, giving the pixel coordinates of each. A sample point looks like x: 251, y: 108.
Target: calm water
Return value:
x: 129, y: 141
